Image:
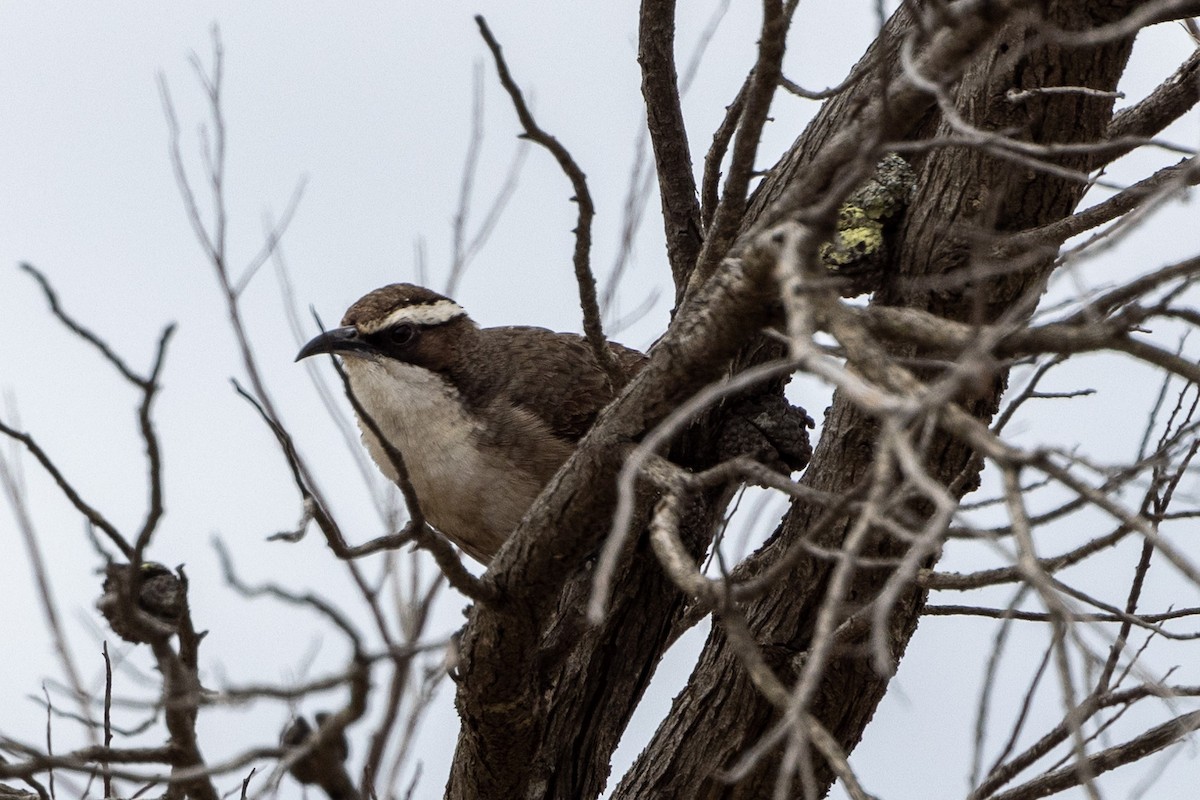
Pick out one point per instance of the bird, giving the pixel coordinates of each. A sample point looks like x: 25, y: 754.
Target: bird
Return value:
x: 482, y: 417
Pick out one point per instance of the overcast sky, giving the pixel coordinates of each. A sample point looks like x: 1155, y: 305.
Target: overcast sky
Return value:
x: 369, y: 105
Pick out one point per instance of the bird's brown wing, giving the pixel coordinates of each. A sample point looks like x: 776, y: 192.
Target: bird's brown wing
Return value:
x: 556, y: 376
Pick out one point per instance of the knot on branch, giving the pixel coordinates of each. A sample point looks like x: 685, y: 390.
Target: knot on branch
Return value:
x: 143, y: 604
x: 325, y: 764
x: 769, y: 430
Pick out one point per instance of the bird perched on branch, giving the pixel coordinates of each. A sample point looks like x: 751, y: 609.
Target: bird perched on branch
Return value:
x: 483, y: 417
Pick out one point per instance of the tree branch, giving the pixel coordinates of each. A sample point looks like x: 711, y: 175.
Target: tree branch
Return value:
x: 592, y: 327
x: 668, y: 136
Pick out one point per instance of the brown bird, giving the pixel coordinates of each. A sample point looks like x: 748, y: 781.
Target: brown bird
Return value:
x: 483, y: 417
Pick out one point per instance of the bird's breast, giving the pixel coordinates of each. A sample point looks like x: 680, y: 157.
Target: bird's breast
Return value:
x: 471, y: 493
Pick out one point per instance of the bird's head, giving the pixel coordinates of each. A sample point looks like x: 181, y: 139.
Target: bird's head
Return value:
x: 404, y: 322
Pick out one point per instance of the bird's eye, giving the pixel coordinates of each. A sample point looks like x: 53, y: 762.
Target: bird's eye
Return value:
x: 402, y: 335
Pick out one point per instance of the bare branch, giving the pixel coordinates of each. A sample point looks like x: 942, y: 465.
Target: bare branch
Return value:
x: 415, y: 531
x: 592, y: 327
x: 668, y: 135
x: 92, y: 514
x: 1135, y: 749
x: 760, y: 91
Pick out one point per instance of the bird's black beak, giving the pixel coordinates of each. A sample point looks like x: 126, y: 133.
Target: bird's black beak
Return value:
x: 338, y: 340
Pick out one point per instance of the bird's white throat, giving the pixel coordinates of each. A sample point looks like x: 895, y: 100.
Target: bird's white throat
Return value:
x: 420, y: 413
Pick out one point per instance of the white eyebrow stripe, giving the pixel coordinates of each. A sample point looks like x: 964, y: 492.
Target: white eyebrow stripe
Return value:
x: 424, y: 314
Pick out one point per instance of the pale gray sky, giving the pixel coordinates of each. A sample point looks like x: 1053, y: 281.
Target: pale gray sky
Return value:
x: 370, y: 104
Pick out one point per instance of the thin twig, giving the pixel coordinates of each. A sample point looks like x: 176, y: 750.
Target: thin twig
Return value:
x: 14, y: 490
x: 592, y: 326
x: 764, y: 81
